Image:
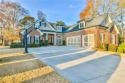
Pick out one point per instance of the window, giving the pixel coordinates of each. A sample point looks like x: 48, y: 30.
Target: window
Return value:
x: 82, y: 25
x: 112, y: 39
x: 59, y: 28
x: 102, y: 37
x: 43, y: 24
x: 59, y: 40
x: 36, y: 39
x: 88, y: 40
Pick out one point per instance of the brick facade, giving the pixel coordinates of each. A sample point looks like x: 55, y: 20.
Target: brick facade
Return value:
x: 96, y: 32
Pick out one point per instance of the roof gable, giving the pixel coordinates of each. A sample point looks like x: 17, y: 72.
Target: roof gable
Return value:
x: 97, y: 21
x: 115, y: 27
x: 73, y: 27
x: 48, y: 26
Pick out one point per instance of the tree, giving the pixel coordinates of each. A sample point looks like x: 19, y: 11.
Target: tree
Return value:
x: 10, y: 15
x: 86, y: 13
x: 116, y: 9
x: 27, y: 20
x: 60, y: 23
x: 40, y: 14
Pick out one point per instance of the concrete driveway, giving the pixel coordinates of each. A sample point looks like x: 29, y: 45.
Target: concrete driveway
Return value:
x: 83, y: 65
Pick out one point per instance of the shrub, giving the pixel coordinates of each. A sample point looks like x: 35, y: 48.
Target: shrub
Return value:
x: 46, y: 42
x: 64, y: 42
x: 41, y: 42
x: 16, y: 46
x: 122, y: 46
x: 112, y: 47
x: 104, y: 46
x: 120, y: 49
x: 0, y: 44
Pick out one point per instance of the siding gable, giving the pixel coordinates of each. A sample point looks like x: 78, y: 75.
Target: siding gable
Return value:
x: 48, y: 26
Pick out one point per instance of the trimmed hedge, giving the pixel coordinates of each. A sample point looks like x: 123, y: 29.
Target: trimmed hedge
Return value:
x: 16, y: 46
x: 112, y: 47
x: 104, y: 46
x: 19, y: 45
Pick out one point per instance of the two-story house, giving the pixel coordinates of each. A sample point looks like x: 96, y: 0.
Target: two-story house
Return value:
x: 87, y: 32
x: 47, y: 31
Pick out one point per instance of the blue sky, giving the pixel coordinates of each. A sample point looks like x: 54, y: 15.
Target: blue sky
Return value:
x: 65, y: 10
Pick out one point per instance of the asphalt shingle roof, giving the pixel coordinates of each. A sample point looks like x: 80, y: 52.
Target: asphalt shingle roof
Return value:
x: 97, y: 21
x: 102, y: 20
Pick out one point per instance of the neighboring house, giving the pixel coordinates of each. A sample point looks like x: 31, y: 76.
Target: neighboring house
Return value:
x: 47, y: 31
x: 87, y: 32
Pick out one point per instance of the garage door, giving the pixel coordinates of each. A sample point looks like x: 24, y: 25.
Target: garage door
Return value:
x: 74, y: 41
x: 88, y: 40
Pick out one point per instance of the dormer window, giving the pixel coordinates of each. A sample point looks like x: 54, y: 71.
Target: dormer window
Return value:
x: 81, y: 25
x: 43, y: 24
x: 59, y: 28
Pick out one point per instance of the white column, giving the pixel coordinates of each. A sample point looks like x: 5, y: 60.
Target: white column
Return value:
x: 82, y: 40
x: 54, y: 39
x: 46, y: 36
x: 67, y: 41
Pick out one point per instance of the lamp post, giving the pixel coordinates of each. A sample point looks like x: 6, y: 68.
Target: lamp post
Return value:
x: 26, y: 44
x: 35, y: 25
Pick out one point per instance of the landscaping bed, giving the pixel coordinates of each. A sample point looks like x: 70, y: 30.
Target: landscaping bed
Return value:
x: 19, y: 67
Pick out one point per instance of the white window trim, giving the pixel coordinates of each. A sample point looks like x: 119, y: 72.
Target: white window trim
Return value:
x: 83, y: 22
x: 102, y: 34
x: 42, y: 23
x: 35, y: 39
x: 59, y: 28
x: 88, y: 40
x: 114, y: 39
x: 59, y: 38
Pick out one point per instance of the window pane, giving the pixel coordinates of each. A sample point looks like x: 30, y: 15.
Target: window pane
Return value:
x: 86, y: 39
x: 91, y: 39
x: 37, y: 40
x: 112, y: 39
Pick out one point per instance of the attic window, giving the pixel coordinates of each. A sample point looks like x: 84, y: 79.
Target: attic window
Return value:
x: 82, y: 25
x: 59, y: 28
x: 43, y: 24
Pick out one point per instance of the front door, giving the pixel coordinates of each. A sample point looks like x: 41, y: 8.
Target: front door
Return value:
x: 88, y: 40
x: 50, y: 39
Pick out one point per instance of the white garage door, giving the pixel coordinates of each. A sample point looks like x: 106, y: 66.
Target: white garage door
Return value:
x: 74, y: 41
x: 88, y: 40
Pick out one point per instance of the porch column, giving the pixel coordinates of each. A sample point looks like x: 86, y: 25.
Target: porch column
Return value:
x: 46, y: 36
x: 54, y: 39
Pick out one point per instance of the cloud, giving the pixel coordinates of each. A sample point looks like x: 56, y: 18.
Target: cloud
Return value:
x: 72, y: 6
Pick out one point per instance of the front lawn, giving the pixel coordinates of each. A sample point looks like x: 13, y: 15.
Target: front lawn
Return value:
x: 19, y: 67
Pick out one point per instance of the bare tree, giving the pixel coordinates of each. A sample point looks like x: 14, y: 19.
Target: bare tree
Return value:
x: 10, y: 15
x: 40, y: 14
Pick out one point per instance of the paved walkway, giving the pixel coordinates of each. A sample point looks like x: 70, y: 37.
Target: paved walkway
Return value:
x: 83, y: 65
